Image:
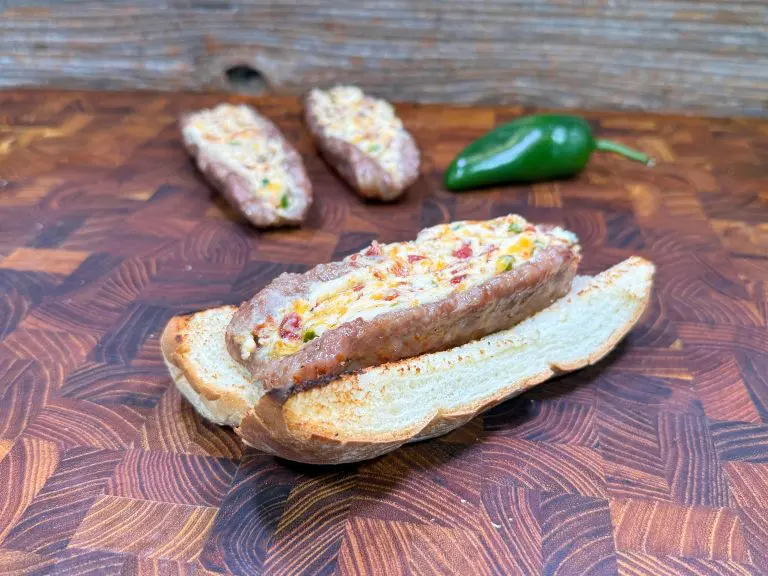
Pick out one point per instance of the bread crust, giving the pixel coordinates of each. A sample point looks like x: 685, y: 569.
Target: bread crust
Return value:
x: 359, y: 169
x: 496, y: 304
x: 285, y: 430
x: 276, y: 428
x: 225, y: 407
x: 236, y: 188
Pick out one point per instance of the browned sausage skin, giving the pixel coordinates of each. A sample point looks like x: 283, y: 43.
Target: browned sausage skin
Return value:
x: 453, y: 284
x: 245, y: 156
x: 363, y: 140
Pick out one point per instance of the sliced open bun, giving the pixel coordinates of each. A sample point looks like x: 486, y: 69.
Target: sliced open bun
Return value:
x: 195, y: 353
x: 363, y: 415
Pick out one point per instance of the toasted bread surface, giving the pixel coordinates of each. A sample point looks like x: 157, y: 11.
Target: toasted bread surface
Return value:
x: 195, y: 353
x: 363, y: 415
x: 360, y: 416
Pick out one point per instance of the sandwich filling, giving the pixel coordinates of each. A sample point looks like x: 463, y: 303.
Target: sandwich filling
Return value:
x: 382, y: 278
x: 240, y: 139
x: 346, y: 113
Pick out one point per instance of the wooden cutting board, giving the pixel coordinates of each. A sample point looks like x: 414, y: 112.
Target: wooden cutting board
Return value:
x: 655, y: 461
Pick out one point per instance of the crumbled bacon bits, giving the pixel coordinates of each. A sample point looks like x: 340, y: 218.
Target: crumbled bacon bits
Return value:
x: 464, y: 251
x: 399, y: 269
x: 290, y: 327
x: 374, y: 249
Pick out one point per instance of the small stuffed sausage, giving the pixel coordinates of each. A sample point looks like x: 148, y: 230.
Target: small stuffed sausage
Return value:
x: 363, y: 140
x: 453, y: 284
x: 245, y: 157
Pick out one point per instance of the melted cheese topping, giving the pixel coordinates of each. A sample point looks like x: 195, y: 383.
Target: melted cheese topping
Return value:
x: 236, y: 137
x: 368, y: 123
x: 442, y: 260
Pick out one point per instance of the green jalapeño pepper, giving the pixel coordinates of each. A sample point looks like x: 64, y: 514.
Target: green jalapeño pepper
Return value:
x: 530, y: 149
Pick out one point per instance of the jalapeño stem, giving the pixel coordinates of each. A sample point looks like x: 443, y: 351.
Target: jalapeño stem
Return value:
x: 636, y: 155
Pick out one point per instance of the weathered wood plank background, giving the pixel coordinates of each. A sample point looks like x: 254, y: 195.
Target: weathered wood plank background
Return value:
x: 683, y: 55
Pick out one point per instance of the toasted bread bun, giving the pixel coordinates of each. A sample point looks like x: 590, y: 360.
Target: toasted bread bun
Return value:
x: 363, y: 140
x: 194, y: 352
x: 363, y: 415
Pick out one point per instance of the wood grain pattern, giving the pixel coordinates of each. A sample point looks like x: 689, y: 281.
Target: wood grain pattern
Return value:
x: 385, y: 486
x: 173, y: 478
x: 71, y: 423
x: 27, y: 388
x: 15, y: 562
x: 631, y: 450
x: 693, y: 471
x: 173, y: 426
x: 638, y: 564
x: 373, y: 547
x: 706, y: 56
x: 59, y: 507
x: 577, y: 535
x: 439, y: 550
x: 5, y: 446
x: 52, y: 261
x: 246, y: 525
x: 748, y: 483
x: 158, y: 567
x: 309, y: 533
x: 755, y: 523
x: 670, y: 530
x: 557, y: 422
x: 78, y: 561
x: 23, y: 472
x: 515, y: 514
x: 171, y: 531
x: 550, y: 468
x: 651, y: 462
x: 721, y: 388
